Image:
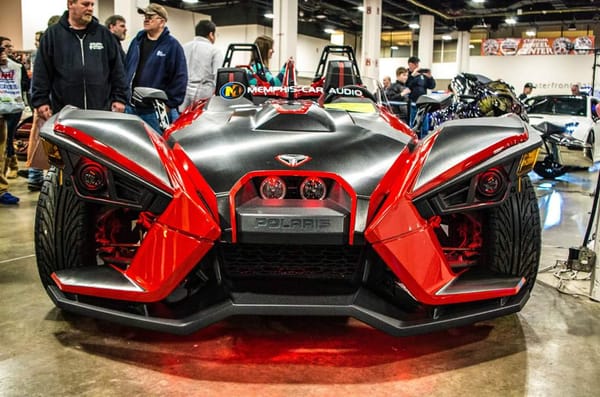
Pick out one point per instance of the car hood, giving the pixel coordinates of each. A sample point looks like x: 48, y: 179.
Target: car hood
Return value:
x: 227, y: 142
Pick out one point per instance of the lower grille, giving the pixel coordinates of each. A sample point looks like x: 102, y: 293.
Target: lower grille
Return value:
x: 291, y: 261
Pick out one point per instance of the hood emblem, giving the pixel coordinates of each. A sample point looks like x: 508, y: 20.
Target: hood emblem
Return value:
x: 293, y: 160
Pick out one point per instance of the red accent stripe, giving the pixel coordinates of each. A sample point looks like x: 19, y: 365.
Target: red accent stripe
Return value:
x: 341, y: 75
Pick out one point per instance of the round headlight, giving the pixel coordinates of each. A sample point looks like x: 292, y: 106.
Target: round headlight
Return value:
x: 272, y: 187
x: 92, y: 177
x: 491, y: 183
x: 313, y: 189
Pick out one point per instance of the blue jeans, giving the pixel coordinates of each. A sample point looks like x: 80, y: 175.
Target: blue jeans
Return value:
x: 12, y: 120
x: 424, y: 130
x: 35, y: 176
x: 151, y: 119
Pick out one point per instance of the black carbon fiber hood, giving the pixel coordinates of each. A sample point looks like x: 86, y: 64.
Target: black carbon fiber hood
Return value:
x: 226, y: 143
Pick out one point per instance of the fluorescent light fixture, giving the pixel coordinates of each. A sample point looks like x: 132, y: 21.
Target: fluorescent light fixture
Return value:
x: 478, y: 1
x: 190, y: 1
x: 471, y: 46
x: 269, y: 15
x: 510, y: 20
x: 530, y: 32
x: 329, y: 30
x: 394, y: 47
x: 446, y: 37
x: 321, y: 16
x: 360, y: 8
x: 414, y: 25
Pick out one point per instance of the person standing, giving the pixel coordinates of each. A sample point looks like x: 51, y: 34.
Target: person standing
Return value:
x: 11, y: 101
x: 203, y: 59
x: 156, y: 59
x: 398, y: 94
x: 78, y: 63
x: 117, y: 26
x: 419, y: 81
x: 11, y: 166
x: 527, y: 89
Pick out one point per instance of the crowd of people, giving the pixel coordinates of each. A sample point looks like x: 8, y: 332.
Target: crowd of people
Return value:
x: 80, y: 62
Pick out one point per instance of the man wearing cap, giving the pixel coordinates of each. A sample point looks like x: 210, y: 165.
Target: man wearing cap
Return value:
x: 156, y: 59
x: 419, y: 81
x: 527, y: 88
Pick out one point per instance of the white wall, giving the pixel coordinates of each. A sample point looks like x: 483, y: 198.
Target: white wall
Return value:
x: 35, y: 18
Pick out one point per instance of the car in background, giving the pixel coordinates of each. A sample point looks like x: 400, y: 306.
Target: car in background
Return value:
x: 569, y: 128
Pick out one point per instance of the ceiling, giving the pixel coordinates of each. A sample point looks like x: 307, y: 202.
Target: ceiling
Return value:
x: 450, y: 15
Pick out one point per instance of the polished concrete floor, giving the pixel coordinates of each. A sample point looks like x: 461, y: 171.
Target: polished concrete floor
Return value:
x: 551, y: 348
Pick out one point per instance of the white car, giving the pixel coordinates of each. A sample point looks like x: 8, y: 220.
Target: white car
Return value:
x: 569, y: 125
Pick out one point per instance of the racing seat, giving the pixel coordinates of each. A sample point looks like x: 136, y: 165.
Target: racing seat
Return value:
x: 340, y: 74
x: 232, y: 91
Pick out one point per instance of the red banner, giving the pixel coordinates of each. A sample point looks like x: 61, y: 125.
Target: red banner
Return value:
x: 557, y: 46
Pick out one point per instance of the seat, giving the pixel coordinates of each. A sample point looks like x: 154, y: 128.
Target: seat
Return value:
x: 340, y: 74
x: 224, y: 88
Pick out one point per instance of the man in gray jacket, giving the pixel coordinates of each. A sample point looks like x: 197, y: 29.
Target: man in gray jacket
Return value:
x: 203, y: 59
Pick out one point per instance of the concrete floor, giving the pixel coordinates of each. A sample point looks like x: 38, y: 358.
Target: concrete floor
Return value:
x: 551, y: 348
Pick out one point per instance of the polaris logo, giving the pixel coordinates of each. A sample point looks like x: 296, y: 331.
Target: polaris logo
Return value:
x: 292, y: 160
x: 292, y: 224
x: 232, y: 90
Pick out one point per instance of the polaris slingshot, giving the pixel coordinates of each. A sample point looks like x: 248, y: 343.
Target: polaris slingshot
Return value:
x: 295, y: 200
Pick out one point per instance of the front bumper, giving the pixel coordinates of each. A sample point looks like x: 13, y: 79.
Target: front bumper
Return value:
x: 363, y: 305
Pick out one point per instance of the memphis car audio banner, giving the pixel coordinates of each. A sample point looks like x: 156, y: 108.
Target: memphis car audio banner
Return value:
x: 557, y: 46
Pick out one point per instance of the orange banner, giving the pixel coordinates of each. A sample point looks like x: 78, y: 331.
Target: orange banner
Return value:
x: 558, y: 46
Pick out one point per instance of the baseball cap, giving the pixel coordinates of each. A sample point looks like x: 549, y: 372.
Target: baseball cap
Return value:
x: 529, y: 85
x: 154, y: 9
x: 414, y: 60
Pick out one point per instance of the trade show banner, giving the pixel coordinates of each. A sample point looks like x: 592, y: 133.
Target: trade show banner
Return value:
x: 544, y: 46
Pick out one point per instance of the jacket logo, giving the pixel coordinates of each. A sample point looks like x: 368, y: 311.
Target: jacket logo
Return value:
x: 96, y: 46
x: 159, y: 53
x: 232, y: 90
x: 293, y: 160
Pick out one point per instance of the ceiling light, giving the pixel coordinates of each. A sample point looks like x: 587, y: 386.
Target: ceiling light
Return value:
x: 360, y: 8
x: 394, y: 47
x: 329, y: 30
x: 190, y: 1
x: 269, y: 15
x: 413, y: 25
x: 446, y: 37
x: 478, y: 1
x: 321, y: 16
x: 572, y: 25
x: 471, y: 46
x: 510, y: 20
x: 530, y: 32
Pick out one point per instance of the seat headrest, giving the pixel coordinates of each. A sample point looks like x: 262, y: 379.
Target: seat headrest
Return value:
x: 339, y: 74
x: 232, y: 83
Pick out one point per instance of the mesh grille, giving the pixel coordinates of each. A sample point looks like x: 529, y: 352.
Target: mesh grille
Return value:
x: 289, y: 261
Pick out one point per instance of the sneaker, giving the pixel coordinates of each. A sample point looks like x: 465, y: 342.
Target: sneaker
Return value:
x: 11, y: 174
x: 23, y: 173
x: 34, y: 186
x: 7, y: 198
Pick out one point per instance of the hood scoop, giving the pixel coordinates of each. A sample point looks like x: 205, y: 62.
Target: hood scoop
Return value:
x: 297, y: 116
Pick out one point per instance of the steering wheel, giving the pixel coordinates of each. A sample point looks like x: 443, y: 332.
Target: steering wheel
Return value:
x: 352, y: 89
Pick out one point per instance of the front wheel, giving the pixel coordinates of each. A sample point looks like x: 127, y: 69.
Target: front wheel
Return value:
x: 63, y: 233
x: 512, y: 234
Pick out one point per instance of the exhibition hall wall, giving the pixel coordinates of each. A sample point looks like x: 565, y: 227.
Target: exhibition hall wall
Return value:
x: 20, y: 19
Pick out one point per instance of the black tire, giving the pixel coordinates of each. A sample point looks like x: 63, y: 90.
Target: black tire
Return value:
x: 591, y: 140
x: 63, y: 229
x: 512, y: 235
x: 549, y: 169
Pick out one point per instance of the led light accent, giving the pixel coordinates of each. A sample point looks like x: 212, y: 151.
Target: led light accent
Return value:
x: 272, y: 187
x: 313, y: 188
x: 490, y: 183
x: 92, y: 177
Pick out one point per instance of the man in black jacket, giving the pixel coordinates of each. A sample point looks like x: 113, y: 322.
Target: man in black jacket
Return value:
x: 78, y: 63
